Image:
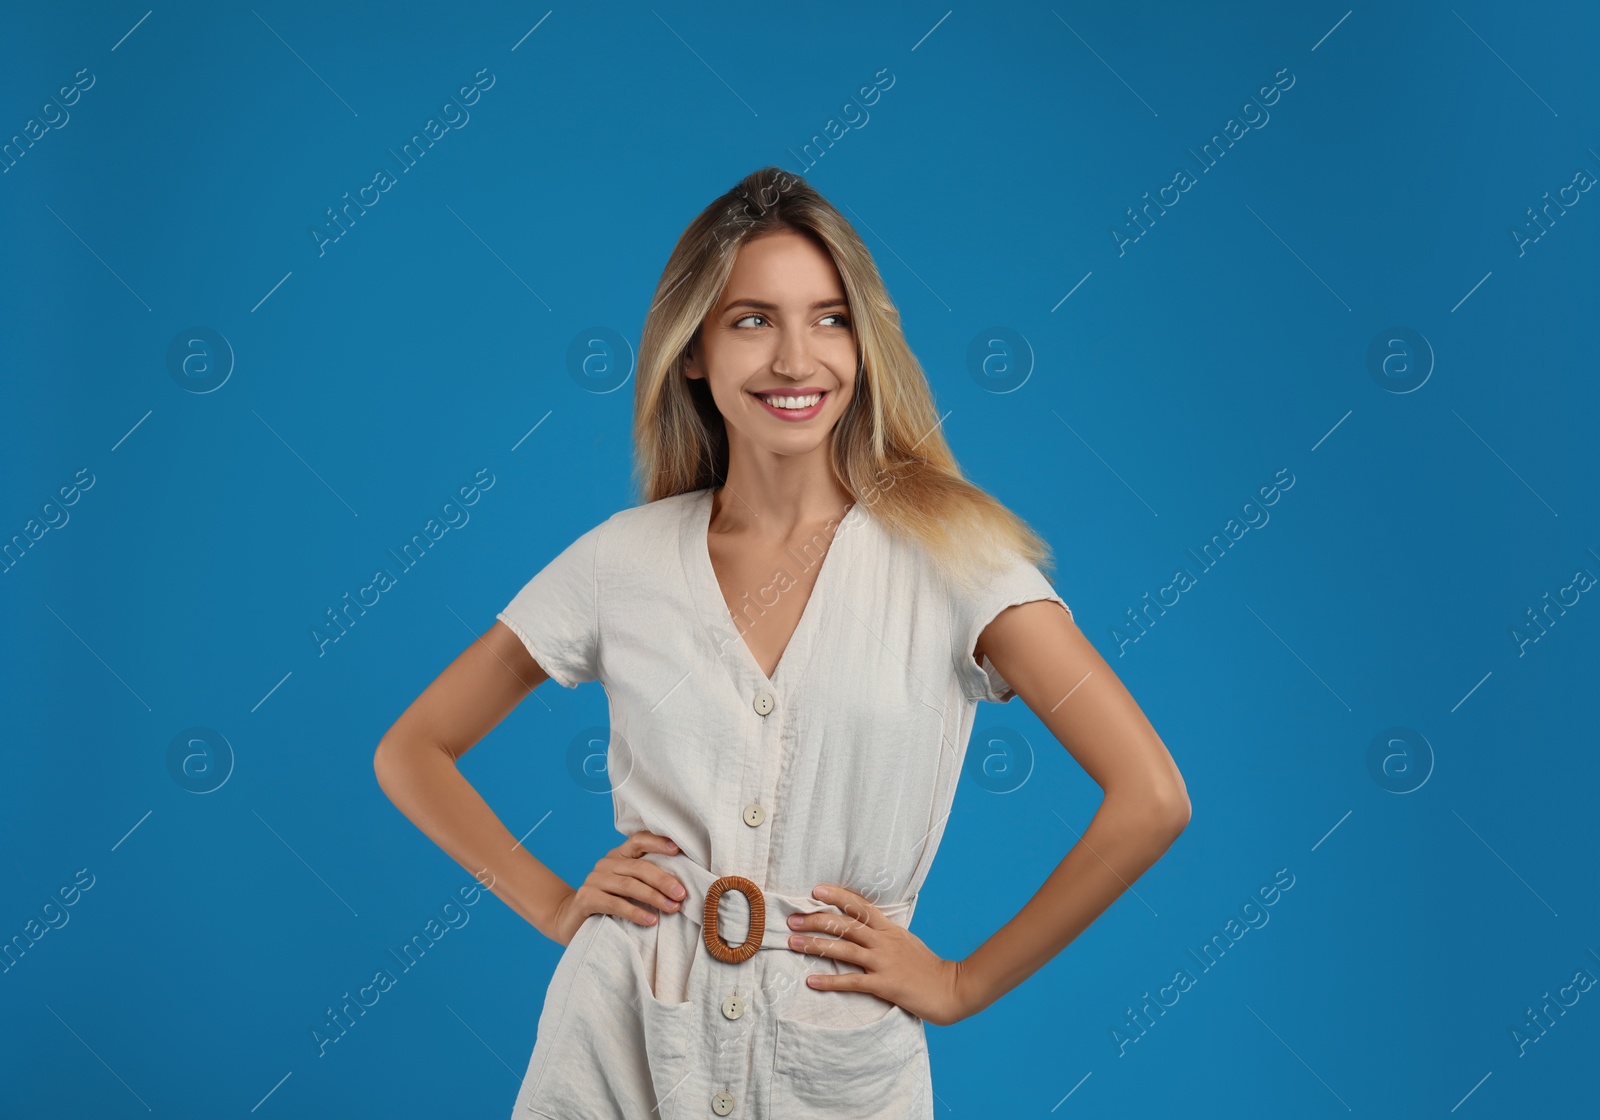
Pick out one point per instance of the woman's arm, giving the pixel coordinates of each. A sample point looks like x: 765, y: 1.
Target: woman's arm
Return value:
x: 1043, y: 655
x: 416, y: 766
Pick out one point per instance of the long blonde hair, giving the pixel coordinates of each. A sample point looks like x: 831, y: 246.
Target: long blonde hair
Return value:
x: 887, y: 448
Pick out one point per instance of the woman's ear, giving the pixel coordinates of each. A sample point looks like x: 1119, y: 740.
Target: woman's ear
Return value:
x: 691, y: 367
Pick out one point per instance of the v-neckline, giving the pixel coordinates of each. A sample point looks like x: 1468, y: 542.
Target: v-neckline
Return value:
x: 718, y: 616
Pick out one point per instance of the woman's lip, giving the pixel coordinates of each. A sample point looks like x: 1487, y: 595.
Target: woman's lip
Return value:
x: 794, y: 414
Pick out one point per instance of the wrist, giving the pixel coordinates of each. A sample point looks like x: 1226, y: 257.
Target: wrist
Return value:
x: 971, y: 988
x: 966, y: 994
x: 554, y: 916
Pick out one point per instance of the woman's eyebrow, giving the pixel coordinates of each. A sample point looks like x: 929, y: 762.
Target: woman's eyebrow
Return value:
x: 763, y: 305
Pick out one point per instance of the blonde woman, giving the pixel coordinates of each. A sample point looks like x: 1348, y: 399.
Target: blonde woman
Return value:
x: 793, y: 632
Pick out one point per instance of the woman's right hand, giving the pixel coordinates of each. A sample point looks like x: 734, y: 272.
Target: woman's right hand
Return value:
x: 619, y: 880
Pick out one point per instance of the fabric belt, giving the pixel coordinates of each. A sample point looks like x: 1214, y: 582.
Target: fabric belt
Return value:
x: 734, y: 909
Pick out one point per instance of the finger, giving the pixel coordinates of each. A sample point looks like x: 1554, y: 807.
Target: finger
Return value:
x: 851, y: 903
x: 663, y: 882
x: 836, y: 948
x: 619, y: 907
x: 640, y: 842
x: 841, y: 982
x: 629, y: 885
x: 839, y: 925
x: 836, y: 925
x: 837, y: 921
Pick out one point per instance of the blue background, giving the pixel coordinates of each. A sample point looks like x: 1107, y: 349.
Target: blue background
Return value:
x: 1230, y: 341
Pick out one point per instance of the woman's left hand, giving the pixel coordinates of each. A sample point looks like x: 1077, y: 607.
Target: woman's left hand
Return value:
x: 898, y: 966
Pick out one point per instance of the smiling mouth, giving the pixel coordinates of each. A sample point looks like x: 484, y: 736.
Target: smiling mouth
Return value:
x: 792, y: 402
x: 794, y: 407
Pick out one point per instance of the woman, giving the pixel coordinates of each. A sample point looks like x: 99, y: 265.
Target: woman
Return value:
x: 793, y: 632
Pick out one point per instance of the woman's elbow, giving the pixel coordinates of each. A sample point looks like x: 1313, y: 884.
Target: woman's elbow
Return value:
x: 390, y: 760
x: 1171, y: 810
x: 1156, y: 810
x: 1161, y: 808
x: 383, y: 759
x: 1180, y: 813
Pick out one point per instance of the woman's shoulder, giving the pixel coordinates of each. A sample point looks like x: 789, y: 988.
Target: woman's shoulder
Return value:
x: 959, y: 574
x: 663, y: 514
x: 639, y: 532
x: 898, y: 565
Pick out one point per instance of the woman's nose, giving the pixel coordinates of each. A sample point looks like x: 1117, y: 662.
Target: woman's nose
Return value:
x: 794, y: 355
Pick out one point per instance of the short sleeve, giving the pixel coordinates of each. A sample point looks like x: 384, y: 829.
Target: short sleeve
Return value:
x: 557, y: 613
x: 974, y: 606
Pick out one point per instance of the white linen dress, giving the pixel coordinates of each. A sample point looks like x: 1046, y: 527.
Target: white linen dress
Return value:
x: 840, y: 768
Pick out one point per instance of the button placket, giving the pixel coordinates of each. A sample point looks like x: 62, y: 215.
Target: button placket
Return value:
x: 760, y: 819
x: 741, y: 1033
x: 735, y: 1034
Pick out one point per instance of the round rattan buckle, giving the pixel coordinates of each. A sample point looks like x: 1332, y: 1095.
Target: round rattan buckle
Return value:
x: 718, y: 947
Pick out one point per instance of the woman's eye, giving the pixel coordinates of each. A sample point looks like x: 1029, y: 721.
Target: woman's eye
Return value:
x: 843, y: 320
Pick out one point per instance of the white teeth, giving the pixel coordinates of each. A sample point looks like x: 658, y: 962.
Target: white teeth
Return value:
x: 793, y: 402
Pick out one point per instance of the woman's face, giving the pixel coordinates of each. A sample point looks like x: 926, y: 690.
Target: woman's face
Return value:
x: 780, y: 336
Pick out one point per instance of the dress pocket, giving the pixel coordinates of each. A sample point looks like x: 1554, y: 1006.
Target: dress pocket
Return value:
x: 613, y: 1044
x: 666, y: 983
x: 869, y: 1070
